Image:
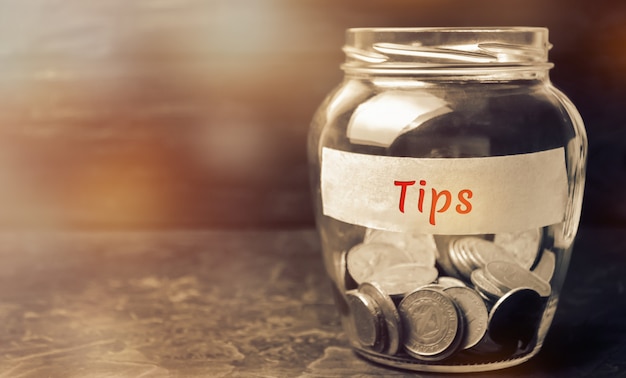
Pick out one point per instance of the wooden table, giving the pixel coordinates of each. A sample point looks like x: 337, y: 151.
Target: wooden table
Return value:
x: 214, y: 303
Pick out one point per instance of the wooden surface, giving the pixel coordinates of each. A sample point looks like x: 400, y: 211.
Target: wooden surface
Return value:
x: 243, y: 304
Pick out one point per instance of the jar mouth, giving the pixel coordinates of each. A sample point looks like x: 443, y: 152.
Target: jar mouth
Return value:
x: 446, y: 49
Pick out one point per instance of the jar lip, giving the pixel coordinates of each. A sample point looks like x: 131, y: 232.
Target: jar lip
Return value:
x: 456, y: 29
x: 441, y: 47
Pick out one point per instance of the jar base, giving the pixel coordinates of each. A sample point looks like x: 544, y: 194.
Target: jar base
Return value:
x: 408, y: 363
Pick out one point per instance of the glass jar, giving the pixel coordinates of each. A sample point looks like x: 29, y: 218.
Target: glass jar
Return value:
x: 447, y: 174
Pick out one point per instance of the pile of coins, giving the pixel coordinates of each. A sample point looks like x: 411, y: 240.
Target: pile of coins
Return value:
x: 430, y: 297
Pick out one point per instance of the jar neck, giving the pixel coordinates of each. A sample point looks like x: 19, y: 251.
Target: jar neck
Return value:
x: 466, y: 54
x: 438, y: 76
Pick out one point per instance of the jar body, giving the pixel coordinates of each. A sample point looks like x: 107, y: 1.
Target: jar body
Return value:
x: 427, y: 194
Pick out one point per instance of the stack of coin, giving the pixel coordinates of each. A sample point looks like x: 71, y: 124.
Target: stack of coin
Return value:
x: 486, y: 297
x: 459, y: 255
x: 376, y: 319
x: 368, y: 320
x: 471, y: 253
x: 446, y: 266
x: 434, y: 322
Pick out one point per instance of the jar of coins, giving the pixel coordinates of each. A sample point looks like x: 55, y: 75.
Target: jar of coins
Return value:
x: 448, y: 175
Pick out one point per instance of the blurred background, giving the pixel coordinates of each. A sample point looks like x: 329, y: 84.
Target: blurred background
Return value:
x: 194, y: 113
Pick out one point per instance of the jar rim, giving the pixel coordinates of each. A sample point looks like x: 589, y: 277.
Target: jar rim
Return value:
x: 446, y: 48
x: 537, y: 29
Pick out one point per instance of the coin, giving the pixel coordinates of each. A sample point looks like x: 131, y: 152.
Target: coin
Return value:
x: 344, y: 280
x: 484, y: 251
x: 394, y: 238
x: 433, y: 286
x: 443, y: 254
x: 431, y: 324
x: 400, y: 279
x: 363, y: 260
x: 474, y: 313
x: 546, y: 265
x: 508, y: 275
x: 367, y: 318
x: 523, y: 246
x: 457, y: 255
x: 480, y: 251
x: 447, y: 281
x: 515, y: 317
x: 458, y: 258
x: 390, y: 315
x: 420, y: 248
x: 486, y: 288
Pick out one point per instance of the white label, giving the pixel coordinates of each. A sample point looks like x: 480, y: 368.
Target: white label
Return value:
x: 445, y: 196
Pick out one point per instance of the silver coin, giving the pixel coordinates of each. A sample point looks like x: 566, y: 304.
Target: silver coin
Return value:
x: 431, y: 322
x: 523, y: 246
x: 515, y: 317
x: 486, y: 288
x: 344, y: 281
x: 461, y: 247
x: 458, y: 258
x: 390, y: 315
x: 481, y: 251
x: 474, y: 313
x: 443, y: 254
x: 434, y: 286
x: 420, y: 248
x: 447, y: 281
x: 448, y: 254
x: 363, y: 260
x: 394, y: 238
x: 341, y: 271
x: 400, y: 279
x: 546, y: 265
x: 367, y: 319
x: 508, y: 275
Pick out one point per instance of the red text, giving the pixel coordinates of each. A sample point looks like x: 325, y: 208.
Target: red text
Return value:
x: 440, y: 200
